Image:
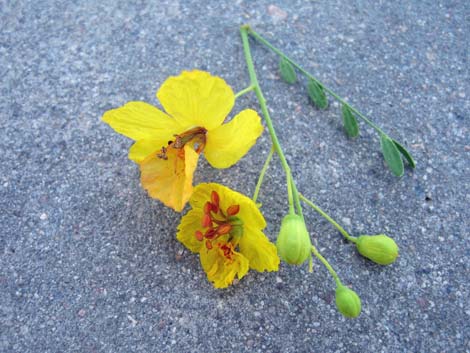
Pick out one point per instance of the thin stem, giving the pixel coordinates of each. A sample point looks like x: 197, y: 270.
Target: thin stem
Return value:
x: 264, y: 109
x: 328, y: 218
x: 327, y: 265
x: 243, y: 91
x: 290, y: 194
x: 262, y: 40
x: 262, y: 173
x: 296, y: 195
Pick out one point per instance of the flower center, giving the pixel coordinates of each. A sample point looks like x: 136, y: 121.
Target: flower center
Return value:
x: 217, y: 223
x: 195, y: 135
x: 227, y: 250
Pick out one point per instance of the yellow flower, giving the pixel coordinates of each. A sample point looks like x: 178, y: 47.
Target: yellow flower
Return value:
x: 225, y: 228
x: 168, y: 144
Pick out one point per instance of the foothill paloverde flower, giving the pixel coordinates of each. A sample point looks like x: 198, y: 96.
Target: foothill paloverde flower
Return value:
x: 225, y: 228
x: 168, y: 144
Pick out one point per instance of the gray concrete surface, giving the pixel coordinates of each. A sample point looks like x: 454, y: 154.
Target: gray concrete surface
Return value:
x: 89, y: 263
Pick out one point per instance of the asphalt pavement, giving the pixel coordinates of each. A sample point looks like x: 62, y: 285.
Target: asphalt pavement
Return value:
x: 90, y: 263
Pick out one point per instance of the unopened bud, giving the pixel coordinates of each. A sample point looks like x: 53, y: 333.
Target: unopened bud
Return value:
x: 293, y: 242
x: 379, y: 248
x: 348, y: 302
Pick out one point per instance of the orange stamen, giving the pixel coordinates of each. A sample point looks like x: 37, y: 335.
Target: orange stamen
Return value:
x: 199, y: 236
x: 208, y: 244
x: 233, y: 210
x: 196, y: 135
x: 224, y: 229
x: 206, y: 221
x: 215, y: 198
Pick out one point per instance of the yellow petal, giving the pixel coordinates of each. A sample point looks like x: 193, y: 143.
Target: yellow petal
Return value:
x: 141, y: 149
x: 190, y: 223
x: 220, y: 271
x: 260, y: 252
x: 139, y: 120
x: 196, y: 98
x: 228, y: 143
x: 249, y: 213
x: 170, y: 180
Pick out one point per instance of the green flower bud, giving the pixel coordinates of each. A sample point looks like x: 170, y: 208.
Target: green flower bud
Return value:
x: 379, y: 248
x: 348, y: 302
x: 293, y: 242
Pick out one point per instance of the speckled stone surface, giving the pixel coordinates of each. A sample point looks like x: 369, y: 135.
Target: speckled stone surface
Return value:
x: 89, y: 263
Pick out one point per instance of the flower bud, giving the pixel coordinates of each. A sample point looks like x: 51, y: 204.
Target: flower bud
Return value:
x: 379, y: 248
x: 293, y: 242
x: 347, y: 302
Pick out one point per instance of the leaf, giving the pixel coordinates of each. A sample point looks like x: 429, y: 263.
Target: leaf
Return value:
x: 350, y: 122
x: 405, y: 154
x: 392, y: 155
x: 317, y: 94
x: 287, y: 71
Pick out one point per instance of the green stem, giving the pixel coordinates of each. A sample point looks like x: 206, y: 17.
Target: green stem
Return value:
x: 243, y: 91
x: 262, y: 173
x: 296, y: 195
x: 328, y: 218
x: 263, y: 41
x: 290, y: 196
x: 264, y: 109
x: 327, y: 265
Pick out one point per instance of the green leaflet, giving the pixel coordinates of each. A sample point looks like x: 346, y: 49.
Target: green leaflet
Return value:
x: 405, y: 154
x: 350, y: 122
x: 392, y: 155
x: 287, y: 71
x: 317, y: 94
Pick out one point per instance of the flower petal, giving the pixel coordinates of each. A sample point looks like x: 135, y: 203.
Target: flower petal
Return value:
x: 196, y: 98
x: 190, y: 223
x: 248, y: 213
x: 140, y: 120
x: 260, y: 252
x: 229, y: 142
x: 141, y: 149
x: 220, y: 271
x: 170, y: 180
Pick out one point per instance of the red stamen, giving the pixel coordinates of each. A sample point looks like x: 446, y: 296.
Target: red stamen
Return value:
x: 207, y: 207
x: 215, y: 198
x: 199, y: 236
x: 228, y: 251
x: 233, y: 210
x: 206, y: 221
x: 208, y: 244
x: 210, y: 233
